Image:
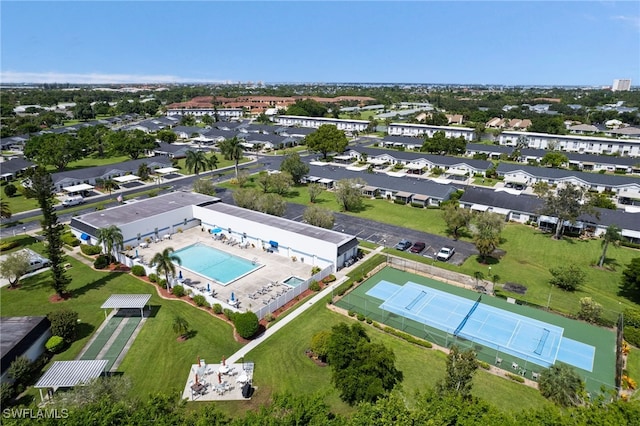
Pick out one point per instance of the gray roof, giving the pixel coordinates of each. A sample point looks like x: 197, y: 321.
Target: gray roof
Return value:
x: 585, y: 158
x: 281, y: 223
x: 440, y: 160
x: 15, y: 165
x: 621, y: 218
x: 216, y: 133
x: 99, y: 171
x: 380, y: 180
x: 148, y: 207
x: 295, y: 130
x: 257, y: 137
x: 189, y: 130
x: 481, y: 147
x: 168, y: 147
x: 489, y: 197
x: 125, y: 301
x: 405, y: 140
x: 16, y: 330
x: 549, y: 173
x: 66, y: 374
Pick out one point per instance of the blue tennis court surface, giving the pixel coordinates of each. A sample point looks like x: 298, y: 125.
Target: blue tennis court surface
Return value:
x: 527, y: 338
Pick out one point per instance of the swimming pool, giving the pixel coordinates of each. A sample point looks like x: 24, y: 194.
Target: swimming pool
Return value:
x: 293, y: 281
x: 216, y: 265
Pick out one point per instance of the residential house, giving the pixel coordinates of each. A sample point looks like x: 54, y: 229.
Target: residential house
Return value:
x: 573, y: 143
x: 348, y: 126
x: 14, y: 168
x: 407, y: 129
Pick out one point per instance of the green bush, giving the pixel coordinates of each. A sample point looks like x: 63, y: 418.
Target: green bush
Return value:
x: 315, y: 270
x: 246, y: 324
x: 352, y: 313
x: 7, y: 391
x: 484, y: 365
x: 360, y: 317
x: 10, y: 190
x: 90, y: 250
x: 228, y: 313
x: 217, y: 308
x: 408, y: 337
x: 368, y: 320
x: 20, y: 370
x: 162, y: 283
x: 64, y: 323
x: 55, y: 344
x: 70, y: 240
x: 178, y: 291
x: 329, y: 279
x: 138, y: 270
x: 8, y: 245
x: 200, y: 300
x: 632, y: 335
x: 632, y: 317
x: 515, y: 378
x: 153, y: 278
x: 314, y: 286
x: 269, y: 317
x: 101, y: 262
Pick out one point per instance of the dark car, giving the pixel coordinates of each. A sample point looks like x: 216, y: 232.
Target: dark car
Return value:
x: 402, y: 245
x: 417, y: 247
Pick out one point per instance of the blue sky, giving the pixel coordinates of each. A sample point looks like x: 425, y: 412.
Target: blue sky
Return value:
x: 513, y: 43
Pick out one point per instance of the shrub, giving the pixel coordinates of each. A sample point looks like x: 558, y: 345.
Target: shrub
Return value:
x: 351, y: 313
x: 101, y: 262
x: 329, y: 279
x: 90, y: 250
x: 8, y: 245
x: 162, y: 283
x: 269, y: 317
x: 408, y: 337
x: 20, y: 370
x: 320, y: 344
x: 360, y: 317
x: 138, y: 270
x: 246, y: 324
x: 315, y: 270
x: 515, y: 378
x: 368, y: 320
x: 153, y: 278
x: 178, y: 291
x: 10, y: 190
x: 228, y: 313
x: 217, y: 308
x: 64, y: 323
x: 484, y: 365
x: 314, y: 286
x: 70, y: 239
x: 632, y: 335
x: 55, y: 344
x: 6, y: 393
x: 200, y: 300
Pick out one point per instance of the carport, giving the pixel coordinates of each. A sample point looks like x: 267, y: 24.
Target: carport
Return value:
x: 75, y: 189
x: 126, y: 178
x: 126, y: 301
x: 166, y: 170
x: 68, y: 374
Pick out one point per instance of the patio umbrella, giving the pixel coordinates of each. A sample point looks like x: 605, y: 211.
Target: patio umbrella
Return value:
x: 196, y: 379
x: 136, y: 252
x: 233, y: 297
x: 198, y: 360
x: 208, y: 287
x: 180, y: 275
x: 223, y: 360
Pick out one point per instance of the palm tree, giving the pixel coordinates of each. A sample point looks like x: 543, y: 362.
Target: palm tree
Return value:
x: 232, y: 150
x: 111, y: 239
x: 180, y: 326
x: 612, y: 236
x: 109, y: 185
x: 165, y: 263
x: 5, y: 210
x: 213, y: 161
x: 196, y: 161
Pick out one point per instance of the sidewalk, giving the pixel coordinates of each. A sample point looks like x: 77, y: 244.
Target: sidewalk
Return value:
x: 341, y: 277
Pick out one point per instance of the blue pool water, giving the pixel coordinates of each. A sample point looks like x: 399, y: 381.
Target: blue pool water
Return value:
x: 293, y: 281
x: 216, y: 265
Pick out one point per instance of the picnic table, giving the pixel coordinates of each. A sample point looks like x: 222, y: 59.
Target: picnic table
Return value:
x: 199, y: 388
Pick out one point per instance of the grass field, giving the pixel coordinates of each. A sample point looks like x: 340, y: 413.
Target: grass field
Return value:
x: 603, y: 340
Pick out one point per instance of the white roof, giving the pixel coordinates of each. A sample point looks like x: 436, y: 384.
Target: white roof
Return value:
x: 124, y: 301
x: 166, y: 170
x: 376, y: 161
x: 456, y: 172
x: 77, y: 188
x: 126, y: 178
x: 479, y: 207
x: 66, y: 374
x: 515, y: 179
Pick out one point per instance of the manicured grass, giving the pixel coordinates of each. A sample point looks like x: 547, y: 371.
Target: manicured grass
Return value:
x: 93, y: 161
x: 485, y: 181
x: 633, y: 364
x: 281, y: 364
x: 156, y: 362
x: 367, y: 244
x: 19, y: 203
x: 222, y: 163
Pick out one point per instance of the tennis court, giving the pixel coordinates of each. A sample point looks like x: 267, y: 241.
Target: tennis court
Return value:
x: 524, y: 337
x: 436, y: 317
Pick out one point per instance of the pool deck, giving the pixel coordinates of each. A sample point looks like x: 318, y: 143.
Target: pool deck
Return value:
x: 276, y: 269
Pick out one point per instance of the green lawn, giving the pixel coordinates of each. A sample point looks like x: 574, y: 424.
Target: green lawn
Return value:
x: 281, y: 364
x: 485, y: 181
x: 633, y: 364
x: 157, y: 362
x: 92, y: 161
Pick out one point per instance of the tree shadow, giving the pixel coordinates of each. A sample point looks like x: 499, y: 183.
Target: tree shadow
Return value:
x: 95, y: 284
x: 84, y: 330
x: 487, y: 261
x: 610, y: 264
x: 629, y: 292
x: 190, y: 334
x: 152, y: 312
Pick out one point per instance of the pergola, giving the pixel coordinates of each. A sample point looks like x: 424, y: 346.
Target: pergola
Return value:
x: 126, y: 301
x: 67, y: 374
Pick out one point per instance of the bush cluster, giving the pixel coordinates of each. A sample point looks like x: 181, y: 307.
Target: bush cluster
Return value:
x: 408, y: 337
x: 360, y: 317
x: 70, y: 240
x: 484, y: 365
x: 178, y: 291
x: 101, y: 261
x: 8, y: 245
x: 90, y: 250
x: 329, y: 279
x: 138, y: 270
x: 228, y: 313
x: 153, y: 278
x: 55, y: 344
x: 64, y: 323
x: 515, y: 378
x: 314, y: 286
x: 246, y: 324
x: 217, y: 308
x: 199, y: 300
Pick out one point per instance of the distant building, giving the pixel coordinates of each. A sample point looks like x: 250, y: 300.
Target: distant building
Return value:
x: 621, y: 85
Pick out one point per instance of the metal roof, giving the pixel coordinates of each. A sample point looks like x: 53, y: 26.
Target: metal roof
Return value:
x: 550, y: 173
x: 124, y: 301
x: 143, y: 209
x: 66, y: 374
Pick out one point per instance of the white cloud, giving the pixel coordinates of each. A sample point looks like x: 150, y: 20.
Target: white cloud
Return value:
x: 94, y: 78
x: 633, y: 20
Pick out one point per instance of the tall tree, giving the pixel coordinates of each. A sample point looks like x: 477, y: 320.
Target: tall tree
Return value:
x: 111, y: 239
x: 327, y: 139
x: 461, y: 367
x: 611, y: 236
x: 5, y: 210
x: 196, y: 161
x: 133, y: 143
x: 631, y: 279
x: 562, y: 385
x: 565, y: 205
x: 14, y: 266
x: 164, y: 263
x: 318, y: 216
x: 554, y: 159
x: 486, y: 236
x: 167, y: 136
x: 349, y: 194
x: 307, y: 107
x: 213, y: 161
x: 144, y: 171
x: 232, y: 150
x: 43, y: 189
x: 456, y: 218
x: 52, y: 149
x: 314, y: 191
x: 293, y: 165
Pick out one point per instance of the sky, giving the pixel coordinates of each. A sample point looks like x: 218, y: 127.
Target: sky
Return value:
x: 584, y: 43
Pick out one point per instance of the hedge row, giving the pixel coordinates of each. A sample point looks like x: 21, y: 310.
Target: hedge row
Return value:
x: 90, y: 250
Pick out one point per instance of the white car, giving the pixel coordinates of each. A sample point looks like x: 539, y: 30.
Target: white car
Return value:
x: 445, y: 253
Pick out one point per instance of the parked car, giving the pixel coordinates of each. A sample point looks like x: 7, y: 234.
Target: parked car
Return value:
x: 417, y: 247
x: 73, y: 201
x: 445, y: 253
x: 402, y: 245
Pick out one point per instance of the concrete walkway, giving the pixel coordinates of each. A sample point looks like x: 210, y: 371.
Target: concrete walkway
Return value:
x: 341, y: 277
